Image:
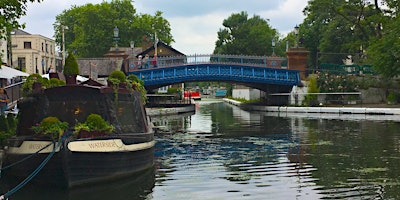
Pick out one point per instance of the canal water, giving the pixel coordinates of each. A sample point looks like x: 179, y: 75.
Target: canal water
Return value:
x: 222, y: 152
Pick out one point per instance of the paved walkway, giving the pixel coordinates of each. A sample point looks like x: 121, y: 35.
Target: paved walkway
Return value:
x: 370, y: 109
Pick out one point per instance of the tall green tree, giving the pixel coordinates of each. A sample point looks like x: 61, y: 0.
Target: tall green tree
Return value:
x: 247, y: 36
x: 332, y: 30
x: 384, y: 53
x: 90, y: 27
x: 10, y: 12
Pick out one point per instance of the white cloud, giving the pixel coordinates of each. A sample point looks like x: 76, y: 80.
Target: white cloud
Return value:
x: 286, y: 16
x: 194, y: 24
x: 196, y: 34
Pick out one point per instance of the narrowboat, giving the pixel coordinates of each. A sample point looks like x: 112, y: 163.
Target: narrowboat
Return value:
x: 83, y: 158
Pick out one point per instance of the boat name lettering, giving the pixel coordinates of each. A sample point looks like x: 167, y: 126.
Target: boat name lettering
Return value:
x: 36, y: 146
x: 102, y: 144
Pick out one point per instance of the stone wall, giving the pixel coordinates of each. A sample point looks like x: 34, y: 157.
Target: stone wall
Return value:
x: 373, y: 95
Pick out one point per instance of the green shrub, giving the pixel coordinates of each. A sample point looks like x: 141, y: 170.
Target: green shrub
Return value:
x: 174, y: 90
x: 134, y: 79
x: 4, y: 127
x: 12, y: 121
x: 311, y: 99
x: 26, y: 88
x: 119, y: 75
x: 54, y: 82
x: 391, y: 98
x: 71, y: 66
x: 51, y: 126
x: 37, y: 78
x: 94, y: 122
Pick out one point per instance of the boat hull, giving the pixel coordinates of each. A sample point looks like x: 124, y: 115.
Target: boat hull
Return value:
x: 71, y: 166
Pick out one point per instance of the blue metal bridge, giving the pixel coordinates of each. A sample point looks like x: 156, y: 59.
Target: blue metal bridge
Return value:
x: 253, y: 71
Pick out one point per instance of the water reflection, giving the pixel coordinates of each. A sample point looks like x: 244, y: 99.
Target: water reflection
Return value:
x: 223, y: 152
x: 135, y: 187
x: 253, y: 155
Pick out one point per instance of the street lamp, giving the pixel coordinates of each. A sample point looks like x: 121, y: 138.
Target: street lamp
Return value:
x: 273, y: 46
x: 132, y: 43
x: 296, y: 32
x: 116, y: 33
x: 63, y: 43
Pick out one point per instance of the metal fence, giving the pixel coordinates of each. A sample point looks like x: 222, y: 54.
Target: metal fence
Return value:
x: 14, y: 93
x: 168, y: 61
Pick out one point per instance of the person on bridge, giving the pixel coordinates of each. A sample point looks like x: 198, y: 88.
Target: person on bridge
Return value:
x: 146, y: 61
x: 3, y: 101
x: 154, y: 60
x: 139, y: 62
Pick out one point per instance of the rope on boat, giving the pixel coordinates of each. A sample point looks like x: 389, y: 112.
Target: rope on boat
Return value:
x: 26, y: 158
x: 37, y: 170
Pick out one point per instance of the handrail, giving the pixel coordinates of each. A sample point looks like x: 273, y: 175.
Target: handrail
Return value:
x: 14, y: 93
x: 169, y: 61
x: 210, y: 72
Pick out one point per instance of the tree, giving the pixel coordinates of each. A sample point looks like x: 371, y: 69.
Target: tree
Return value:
x: 71, y: 66
x: 247, y: 36
x: 90, y: 27
x: 384, y: 53
x: 334, y: 29
x: 10, y: 12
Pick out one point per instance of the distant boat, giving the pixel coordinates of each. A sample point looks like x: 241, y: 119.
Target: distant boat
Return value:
x: 81, y: 159
x: 192, y: 95
x: 220, y: 93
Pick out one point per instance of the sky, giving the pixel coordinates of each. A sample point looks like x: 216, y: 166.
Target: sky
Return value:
x: 194, y: 23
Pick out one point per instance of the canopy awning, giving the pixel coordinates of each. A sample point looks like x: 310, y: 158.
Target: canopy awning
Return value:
x: 9, y: 73
x: 78, y: 77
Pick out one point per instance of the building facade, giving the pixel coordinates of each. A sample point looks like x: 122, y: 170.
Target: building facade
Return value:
x: 3, y: 51
x: 33, y: 53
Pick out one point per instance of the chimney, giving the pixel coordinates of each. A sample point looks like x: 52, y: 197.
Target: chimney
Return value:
x: 146, y: 43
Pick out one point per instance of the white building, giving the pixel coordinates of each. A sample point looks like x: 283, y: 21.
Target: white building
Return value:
x: 3, y: 50
x: 32, y: 53
x: 243, y: 92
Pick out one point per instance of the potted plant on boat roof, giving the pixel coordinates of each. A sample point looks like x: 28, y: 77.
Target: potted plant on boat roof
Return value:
x: 94, y: 126
x: 71, y: 69
x: 51, y: 126
x: 116, y: 78
x: 137, y: 85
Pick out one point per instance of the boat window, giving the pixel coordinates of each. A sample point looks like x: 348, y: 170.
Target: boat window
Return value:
x: 130, y: 113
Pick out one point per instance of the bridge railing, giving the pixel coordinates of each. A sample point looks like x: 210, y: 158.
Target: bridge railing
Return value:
x: 14, y: 93
x: 212, y: 72
x: 169, y: 61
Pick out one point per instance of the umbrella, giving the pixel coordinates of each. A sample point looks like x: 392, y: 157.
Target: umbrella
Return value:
x: 9, y: 73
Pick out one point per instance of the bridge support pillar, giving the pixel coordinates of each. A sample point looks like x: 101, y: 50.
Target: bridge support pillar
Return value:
x: 297, y: 60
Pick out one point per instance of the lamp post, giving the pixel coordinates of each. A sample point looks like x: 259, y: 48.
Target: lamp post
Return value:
x: 63, y: 43
x: 116, y: 33
x: 296, y: 32
x: 273, y: 46
x: 132, y: 43
x: 132, y: 65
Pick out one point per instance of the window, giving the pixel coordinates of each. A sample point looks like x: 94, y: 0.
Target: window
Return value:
x: 21, y: 63
x: 42, y: 46
x: 27, y: 45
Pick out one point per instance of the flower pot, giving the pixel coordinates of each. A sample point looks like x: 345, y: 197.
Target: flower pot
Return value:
x: 70, y: 79
x: 37, y: 87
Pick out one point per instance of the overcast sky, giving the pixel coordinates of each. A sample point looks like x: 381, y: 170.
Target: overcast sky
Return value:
x: 194, y: 23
